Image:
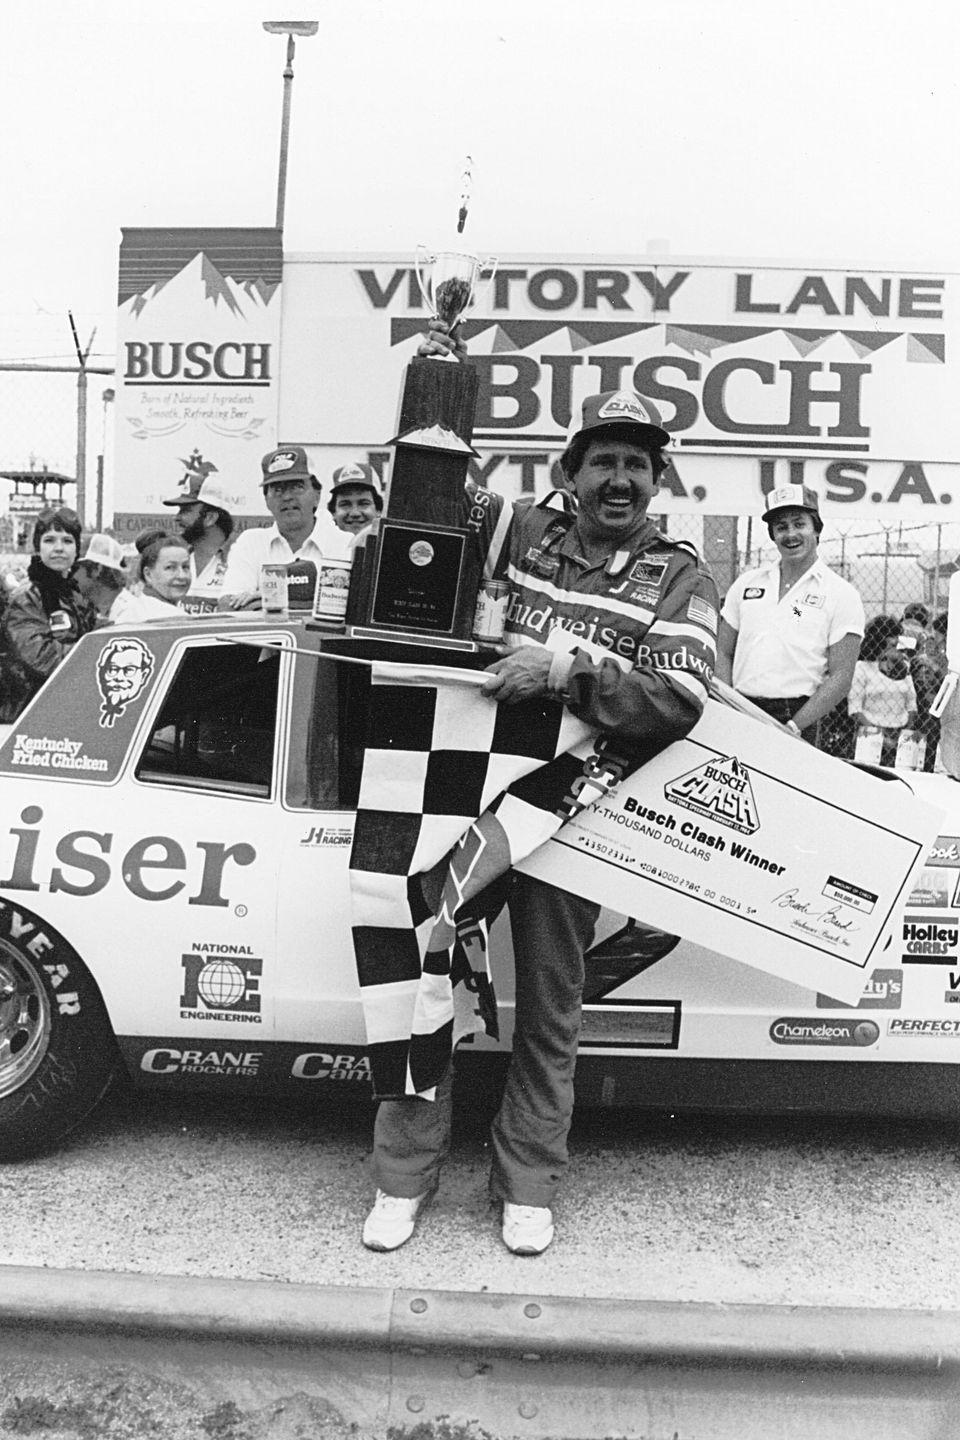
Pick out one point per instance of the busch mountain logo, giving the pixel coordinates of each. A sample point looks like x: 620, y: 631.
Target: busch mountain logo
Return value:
x: 719, y: 789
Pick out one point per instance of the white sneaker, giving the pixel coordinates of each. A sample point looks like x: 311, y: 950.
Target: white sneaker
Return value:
x: 527, y: 1229
x: 392, y: 1220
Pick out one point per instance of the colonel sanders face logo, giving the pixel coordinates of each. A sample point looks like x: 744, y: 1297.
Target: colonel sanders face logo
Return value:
x: 123, y: 669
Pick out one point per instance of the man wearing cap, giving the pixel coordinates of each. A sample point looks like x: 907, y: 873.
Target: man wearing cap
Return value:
x: 611, y: 619
x: 206, y: 524
x: 101, y: 578
x: 355, y: 498
x: 790, y: 630
x: 292, y: 495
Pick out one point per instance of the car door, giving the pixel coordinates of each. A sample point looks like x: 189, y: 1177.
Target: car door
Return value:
x: 318, y: 1011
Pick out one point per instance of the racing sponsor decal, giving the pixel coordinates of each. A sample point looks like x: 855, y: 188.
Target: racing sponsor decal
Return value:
x: 328, y: 835
x: 624, y: 405
x: 805, y: 1030
x: 932, y: 891
x: 849, y: 894
x: 648, y: 572
x: 537, y: 562
x: 882, y: 991
x: 754, y: 592
x: 900, y: 1029
x: 720, y: 790
x: 952, y: 996
x: 938, y: 884
x: 87, y: 866
x: 163, y: 1060
x: 645, y: 595
x: 322, y: 1065
x: 283, y: 460
x: 930, y: 940
x: 598, y: 627
x: 221, y: 982
x: 124, y: 667
x: 40, y: 752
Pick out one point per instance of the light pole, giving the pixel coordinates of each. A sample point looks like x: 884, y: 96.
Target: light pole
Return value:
x: 290, y: 28
x: 107, y: 397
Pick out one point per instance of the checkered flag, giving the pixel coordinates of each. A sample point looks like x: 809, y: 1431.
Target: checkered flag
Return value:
x: 455, y: 788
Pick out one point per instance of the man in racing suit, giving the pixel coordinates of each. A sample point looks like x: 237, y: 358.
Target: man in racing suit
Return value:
x: 618, y: 623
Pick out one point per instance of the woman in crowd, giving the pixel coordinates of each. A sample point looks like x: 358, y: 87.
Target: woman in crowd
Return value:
x: 164, y: 572
x: 882, y: 696
x: 47, y: 614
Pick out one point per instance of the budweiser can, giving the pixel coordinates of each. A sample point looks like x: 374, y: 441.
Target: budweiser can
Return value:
x: 333, y: 584
x: 273, y: 591
x: 491, y: 613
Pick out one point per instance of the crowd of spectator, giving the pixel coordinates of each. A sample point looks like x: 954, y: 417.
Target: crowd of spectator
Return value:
x: 792, y: 633
x: 192, y: 565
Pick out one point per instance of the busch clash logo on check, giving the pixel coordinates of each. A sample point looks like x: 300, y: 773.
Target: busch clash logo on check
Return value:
x: 720, y: 790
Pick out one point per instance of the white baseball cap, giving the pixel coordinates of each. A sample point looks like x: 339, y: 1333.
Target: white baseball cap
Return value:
x: 210, y: 491
x: 104, y: 550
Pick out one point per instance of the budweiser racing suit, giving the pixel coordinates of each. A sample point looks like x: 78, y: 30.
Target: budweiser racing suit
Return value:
x: 634, y: 645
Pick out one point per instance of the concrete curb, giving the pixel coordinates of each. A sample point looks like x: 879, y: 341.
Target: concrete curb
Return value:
x: 441, y: 1321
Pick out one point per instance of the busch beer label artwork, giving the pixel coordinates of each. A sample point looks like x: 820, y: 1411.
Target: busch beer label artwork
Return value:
x: 333, y: 587
x: 491, y: 614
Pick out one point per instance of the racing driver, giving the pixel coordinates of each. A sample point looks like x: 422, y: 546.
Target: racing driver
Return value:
x: 612, y: 619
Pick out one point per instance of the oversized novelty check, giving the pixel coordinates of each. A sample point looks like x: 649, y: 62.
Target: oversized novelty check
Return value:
x: 752, y: 843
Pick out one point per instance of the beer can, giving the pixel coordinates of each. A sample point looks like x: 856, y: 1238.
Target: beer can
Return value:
x: 273, y: 591
x: 491, y: 613
x: 333, y: 584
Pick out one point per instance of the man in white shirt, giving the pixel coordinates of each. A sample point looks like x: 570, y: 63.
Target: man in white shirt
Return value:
x: 292, y: 495
x: 790, y: 630
x: 206, y: 523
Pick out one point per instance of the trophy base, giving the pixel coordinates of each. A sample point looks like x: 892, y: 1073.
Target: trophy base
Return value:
x: 410, y: 637
x: 411, y: 579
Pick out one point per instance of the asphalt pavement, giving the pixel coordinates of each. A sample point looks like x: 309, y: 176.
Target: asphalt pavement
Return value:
x: 797, y: 1212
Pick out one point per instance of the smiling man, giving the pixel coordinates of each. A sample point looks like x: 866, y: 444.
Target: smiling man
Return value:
x: 611, y: 619
x: 355, y: 498
x: 790, y: 630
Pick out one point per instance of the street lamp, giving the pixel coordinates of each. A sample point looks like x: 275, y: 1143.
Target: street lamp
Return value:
x: 290, y: 28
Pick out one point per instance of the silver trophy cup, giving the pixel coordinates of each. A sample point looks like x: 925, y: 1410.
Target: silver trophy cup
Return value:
x: 449, y: 283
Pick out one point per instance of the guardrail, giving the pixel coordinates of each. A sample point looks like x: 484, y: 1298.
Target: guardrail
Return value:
x: 93, y: 1354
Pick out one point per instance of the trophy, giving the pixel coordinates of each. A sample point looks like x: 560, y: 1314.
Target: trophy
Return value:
x: 448, y: 283
x: 416, y: 574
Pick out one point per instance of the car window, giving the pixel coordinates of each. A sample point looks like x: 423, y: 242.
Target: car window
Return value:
x: 217, y: 727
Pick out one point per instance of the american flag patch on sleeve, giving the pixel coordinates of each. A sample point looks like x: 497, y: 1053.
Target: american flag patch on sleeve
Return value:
x: 703, y: 612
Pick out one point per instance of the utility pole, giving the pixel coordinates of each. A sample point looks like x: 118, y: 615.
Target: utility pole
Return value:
x: 290, y: 28
x: 82, y: 357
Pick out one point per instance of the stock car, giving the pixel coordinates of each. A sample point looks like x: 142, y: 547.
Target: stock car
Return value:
x: 174, y: 909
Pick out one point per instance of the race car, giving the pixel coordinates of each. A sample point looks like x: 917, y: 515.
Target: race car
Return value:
x: 175, y: 909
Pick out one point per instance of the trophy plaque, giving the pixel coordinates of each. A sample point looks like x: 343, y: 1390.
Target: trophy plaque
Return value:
x: 416, y: 572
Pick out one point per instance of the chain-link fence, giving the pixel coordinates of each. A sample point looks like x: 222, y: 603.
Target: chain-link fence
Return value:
x: 902, y: 572
x: 55, y: 431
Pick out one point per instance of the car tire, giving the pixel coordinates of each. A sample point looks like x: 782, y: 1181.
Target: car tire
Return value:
x: 58, y: 1053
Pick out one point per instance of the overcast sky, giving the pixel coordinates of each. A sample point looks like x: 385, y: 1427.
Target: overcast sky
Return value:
x: 807, y: 130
